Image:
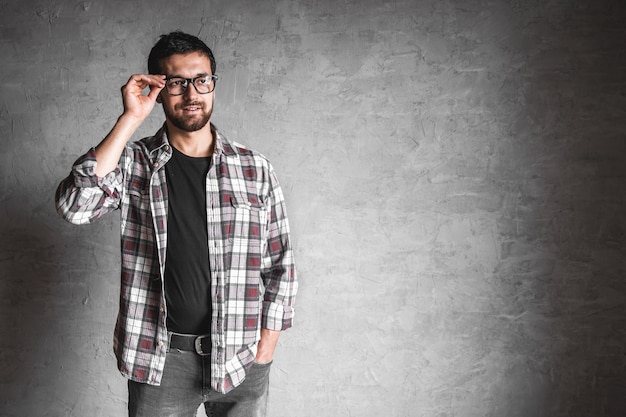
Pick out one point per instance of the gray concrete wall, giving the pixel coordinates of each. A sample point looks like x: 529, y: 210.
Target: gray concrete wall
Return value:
x: 454, y: 172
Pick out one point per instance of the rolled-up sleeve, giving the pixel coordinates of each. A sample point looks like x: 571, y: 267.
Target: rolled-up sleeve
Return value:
x: 279, y: 273
x: 83, y: 197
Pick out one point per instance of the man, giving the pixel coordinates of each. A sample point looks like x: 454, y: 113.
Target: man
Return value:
x: 207, y: 275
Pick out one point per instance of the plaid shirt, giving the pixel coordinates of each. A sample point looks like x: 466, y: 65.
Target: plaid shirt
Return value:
x: 253, y: 279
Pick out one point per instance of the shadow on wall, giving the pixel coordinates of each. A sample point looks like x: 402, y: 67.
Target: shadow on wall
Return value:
x: 49, y: 329
x: 562, y: 232
x: 30, y: 318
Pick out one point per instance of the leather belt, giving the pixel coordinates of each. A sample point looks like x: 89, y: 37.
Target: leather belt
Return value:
x: 191, y: 342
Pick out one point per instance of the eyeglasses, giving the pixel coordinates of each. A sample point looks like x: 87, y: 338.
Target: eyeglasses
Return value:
x: 203, y: 84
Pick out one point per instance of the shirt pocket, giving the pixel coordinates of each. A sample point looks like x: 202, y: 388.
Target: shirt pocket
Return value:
x: 136, y: 206
x: 245, y: 219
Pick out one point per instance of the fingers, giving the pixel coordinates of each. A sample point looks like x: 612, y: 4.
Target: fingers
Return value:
x: 154, y: 92
x: 136, y: 103
x: 138, y: 82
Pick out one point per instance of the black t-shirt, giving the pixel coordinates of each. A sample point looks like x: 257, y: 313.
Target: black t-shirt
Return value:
x: 187, y: 271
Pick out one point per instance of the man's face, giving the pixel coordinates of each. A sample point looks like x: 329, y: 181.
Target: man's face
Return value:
x: 190, y: 111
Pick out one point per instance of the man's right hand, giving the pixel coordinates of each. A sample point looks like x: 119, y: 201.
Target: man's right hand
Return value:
x: 137, y: 104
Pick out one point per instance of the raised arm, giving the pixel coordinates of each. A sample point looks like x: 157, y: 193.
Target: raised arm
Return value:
x: 137, y: 107
x: 94, y: 186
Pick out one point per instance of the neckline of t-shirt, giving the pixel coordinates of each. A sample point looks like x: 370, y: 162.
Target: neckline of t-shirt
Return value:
x: 191, y: 158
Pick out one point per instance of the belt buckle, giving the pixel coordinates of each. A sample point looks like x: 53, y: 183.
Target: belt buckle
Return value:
x: 198, y: 346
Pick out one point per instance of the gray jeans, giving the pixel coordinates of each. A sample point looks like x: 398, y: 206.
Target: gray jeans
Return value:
x: 185, y: 385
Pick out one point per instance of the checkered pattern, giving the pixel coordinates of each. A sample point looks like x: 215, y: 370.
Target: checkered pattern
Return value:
x: 252, y: 270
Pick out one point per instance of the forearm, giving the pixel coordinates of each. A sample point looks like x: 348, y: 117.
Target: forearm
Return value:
x: 267, y: 345
x: 108, y: 152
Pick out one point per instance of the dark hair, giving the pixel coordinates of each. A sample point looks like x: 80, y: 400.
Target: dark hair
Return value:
x: 177, y: 43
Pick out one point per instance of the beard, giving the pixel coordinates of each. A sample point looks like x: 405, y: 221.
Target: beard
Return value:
x: 189, y: 124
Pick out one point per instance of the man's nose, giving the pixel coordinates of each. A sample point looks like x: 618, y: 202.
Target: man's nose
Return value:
x: 191, y: 90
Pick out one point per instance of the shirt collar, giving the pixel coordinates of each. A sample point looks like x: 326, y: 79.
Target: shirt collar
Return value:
x: 159, y: 143
x: 223, y: 145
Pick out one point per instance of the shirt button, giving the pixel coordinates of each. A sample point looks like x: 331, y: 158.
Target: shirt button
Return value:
x: 156, y: 165
x: 160, y: 343
x: 167, y: 148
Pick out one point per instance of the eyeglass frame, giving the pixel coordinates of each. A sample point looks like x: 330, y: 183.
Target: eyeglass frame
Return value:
x: 191, y: 81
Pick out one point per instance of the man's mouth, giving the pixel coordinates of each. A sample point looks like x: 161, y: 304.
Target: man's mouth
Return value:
x: 192, y: 108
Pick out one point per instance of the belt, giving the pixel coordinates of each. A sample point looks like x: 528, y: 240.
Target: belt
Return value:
x: 191, y: 342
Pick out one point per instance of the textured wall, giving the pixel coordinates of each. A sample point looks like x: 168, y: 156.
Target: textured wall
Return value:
x: 455, y: 178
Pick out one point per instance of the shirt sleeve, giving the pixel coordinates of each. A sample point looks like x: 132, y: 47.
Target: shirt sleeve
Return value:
x: 83, y: 197
x: 279, y: 273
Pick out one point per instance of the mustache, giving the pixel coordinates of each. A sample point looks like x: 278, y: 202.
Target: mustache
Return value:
x: 193, y: 103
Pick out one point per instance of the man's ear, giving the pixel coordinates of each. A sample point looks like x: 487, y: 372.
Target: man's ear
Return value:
x: 158, y: 99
